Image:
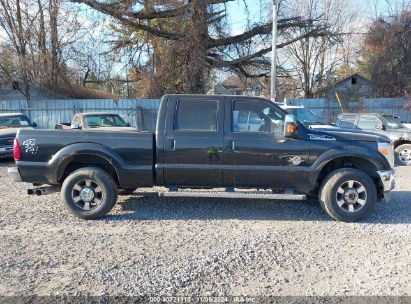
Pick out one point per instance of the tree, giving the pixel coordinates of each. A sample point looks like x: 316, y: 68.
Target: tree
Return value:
x: 188, y: 39
x: 387, y: 53
x: 41, y: 34
x: 314, y: 60
x: 12, y: 22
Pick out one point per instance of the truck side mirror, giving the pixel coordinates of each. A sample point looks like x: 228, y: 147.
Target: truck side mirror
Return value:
x: 34, y: 125
x: 380, y: 127
x: 290, y: 126
x: 76, y: 126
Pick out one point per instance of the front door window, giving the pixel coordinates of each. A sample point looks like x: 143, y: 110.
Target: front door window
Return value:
x: 369, y: 122
x: 257, y: 116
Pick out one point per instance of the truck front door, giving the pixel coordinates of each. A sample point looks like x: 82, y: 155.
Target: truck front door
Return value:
x: 193, y: 146
x: 256, y: 153
x: 371, y: 123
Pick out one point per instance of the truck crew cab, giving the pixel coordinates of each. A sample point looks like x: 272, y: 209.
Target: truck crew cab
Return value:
x: 204, y: 142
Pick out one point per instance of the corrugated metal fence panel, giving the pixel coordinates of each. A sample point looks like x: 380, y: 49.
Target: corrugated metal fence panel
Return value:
x: 47, y: 113
x: 142, y: 112
x: 329, y: 109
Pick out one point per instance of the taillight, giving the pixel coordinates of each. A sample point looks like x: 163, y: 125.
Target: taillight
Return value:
x: 16, y: 149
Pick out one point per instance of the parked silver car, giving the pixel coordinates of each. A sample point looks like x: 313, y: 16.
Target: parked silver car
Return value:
x: 10, y: 123
x: 388, y: 125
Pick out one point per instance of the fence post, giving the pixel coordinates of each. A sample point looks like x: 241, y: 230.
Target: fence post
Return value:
x: 139, y: 118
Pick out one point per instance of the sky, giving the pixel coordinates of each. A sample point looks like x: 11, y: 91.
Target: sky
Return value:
x: 367, y: 9
x: 243, y: 12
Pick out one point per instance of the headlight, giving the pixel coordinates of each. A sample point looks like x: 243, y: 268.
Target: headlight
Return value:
x: 387, y: 150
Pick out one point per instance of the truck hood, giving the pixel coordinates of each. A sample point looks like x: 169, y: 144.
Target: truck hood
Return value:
x: 403, y: 133
x: 322, y: 127
x: 347, y: 135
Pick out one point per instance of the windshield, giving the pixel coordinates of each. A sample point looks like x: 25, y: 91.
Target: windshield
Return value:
x: 15, y: 121
x: 99, y: 121
x: 306, y: 116
x: 393, y: 122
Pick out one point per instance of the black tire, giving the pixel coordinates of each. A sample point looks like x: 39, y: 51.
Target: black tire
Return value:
x: 100, y: 183
x: 331, y: 199
x: 126, y: 191
x: 403, y: 155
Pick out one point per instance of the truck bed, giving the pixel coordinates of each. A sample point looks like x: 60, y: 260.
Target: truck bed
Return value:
x: 45, y: 154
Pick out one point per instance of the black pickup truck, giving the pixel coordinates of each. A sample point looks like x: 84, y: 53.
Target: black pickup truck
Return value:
x: 206, y: 146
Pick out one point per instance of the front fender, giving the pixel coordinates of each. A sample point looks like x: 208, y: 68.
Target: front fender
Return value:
x: 369, y: 155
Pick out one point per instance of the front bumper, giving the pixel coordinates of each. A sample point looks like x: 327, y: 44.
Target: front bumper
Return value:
x: 387, y: 178
x: 14, y: 174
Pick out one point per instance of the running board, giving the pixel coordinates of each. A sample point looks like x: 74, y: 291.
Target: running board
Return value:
x: 246, y: 195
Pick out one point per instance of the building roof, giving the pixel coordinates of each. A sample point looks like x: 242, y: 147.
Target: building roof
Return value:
x: 350, y: 76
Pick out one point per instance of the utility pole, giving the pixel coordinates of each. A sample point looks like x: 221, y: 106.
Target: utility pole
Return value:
x: 274, y: 53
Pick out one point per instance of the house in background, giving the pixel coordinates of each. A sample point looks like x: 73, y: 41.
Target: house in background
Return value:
x: 222, y: 89
x: 233, y: 85
x: 353, y: 87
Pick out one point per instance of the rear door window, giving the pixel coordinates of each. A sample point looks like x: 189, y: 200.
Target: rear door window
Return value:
x: 196, y: 115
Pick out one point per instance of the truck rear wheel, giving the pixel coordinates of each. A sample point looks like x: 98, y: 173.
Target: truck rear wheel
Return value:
x: 403, y: 155
x: 348, y: 195
x: 89, y: 193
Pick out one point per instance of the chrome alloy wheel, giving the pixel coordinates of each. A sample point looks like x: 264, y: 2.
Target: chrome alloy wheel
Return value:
x: 351, y: 196
x: 87, y: 194
x: 405, y: 155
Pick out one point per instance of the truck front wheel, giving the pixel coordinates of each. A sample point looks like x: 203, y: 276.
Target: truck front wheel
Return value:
x: 348, y: 195
x: 89, y: 193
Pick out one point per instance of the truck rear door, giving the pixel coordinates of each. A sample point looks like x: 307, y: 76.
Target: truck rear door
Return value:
x: 193, y: 146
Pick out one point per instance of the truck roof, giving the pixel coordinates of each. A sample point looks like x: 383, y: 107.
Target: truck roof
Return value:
x: 96, y: 113
x: 214, y: 96
x: 10, y: 114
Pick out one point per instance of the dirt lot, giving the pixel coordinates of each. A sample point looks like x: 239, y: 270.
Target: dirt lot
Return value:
x: 149, y: 245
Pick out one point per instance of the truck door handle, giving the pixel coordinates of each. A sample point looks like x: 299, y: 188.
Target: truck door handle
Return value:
x: 230, y: 144
x: 171, y: 144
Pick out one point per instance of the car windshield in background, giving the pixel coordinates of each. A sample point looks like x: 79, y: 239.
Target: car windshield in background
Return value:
x: 18, y: 121
x: 393, y: 122
x: 306, y: 116
x: 101, y: 121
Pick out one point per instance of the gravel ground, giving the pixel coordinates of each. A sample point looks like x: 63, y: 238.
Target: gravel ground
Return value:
x: 148, y: 245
